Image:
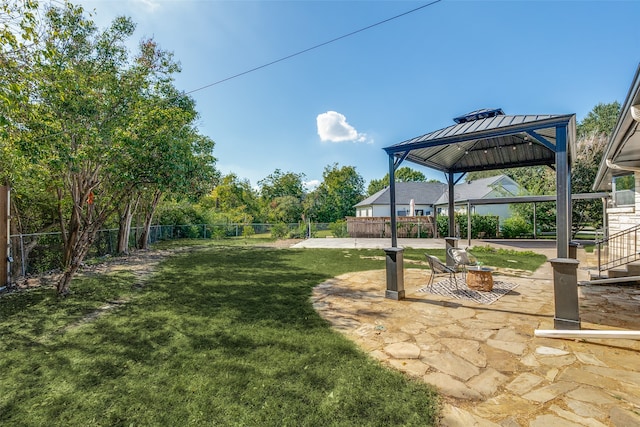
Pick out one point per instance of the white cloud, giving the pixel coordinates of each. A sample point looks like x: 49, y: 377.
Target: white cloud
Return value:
x: 333, y: 127
x: 150, y: 5
x: 311, y: 185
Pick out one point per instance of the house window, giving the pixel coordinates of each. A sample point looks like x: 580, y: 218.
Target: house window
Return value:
x: 624, y: 190
x: 419, y: 212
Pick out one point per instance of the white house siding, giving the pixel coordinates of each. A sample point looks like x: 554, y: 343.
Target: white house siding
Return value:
x: 365, y: 211
x: 383, y: 210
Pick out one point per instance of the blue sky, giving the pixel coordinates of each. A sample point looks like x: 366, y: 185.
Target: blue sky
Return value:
x: 343, y: 102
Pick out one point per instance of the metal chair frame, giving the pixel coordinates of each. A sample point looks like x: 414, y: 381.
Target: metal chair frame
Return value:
x: 437, y: 267
x: 463, y: 259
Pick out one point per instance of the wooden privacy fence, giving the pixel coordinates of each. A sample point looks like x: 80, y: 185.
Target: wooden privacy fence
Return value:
x: 408, y: 226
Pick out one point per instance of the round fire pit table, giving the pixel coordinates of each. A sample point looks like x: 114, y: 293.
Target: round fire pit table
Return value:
x: 480, y: 278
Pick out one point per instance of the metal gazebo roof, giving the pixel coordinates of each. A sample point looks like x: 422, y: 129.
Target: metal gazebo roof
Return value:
x: 486, y: 140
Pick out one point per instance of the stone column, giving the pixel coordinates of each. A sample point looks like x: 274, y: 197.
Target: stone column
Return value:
x: 395, y: 273
x: 573, y: 250
x: 565, y: 292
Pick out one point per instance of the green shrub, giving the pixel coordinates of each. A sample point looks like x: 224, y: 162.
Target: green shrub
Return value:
x: 279, y: 230
x: 487, y: 224
x: 219, y: 232
x: 516, y: 226
x: 301, y: 231
x: 248, y: 231
x: 339, y: 228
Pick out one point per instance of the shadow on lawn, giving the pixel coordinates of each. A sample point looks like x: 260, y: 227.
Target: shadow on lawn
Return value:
x: 228, y: 333
x: 249, y: 285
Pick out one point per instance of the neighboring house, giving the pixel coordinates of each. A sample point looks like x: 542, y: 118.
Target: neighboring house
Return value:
x: 423, y: 194
x: 619, y: 170
x: 485, y: 188
x: 429, y: 196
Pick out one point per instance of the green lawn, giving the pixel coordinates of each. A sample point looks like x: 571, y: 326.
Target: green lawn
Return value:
x: 221, y: 336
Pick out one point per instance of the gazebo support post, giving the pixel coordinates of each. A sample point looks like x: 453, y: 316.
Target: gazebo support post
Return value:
x: 394, y: 255
x: 451, y: 206
x: 392, y: 202
x: 563, y: 193
x: 565, y: 275
x: 535, y: 222
x: 451, y: 241
x: 468, y: 223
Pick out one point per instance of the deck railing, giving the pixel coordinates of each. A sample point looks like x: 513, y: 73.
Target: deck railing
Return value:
x: 618, y: 249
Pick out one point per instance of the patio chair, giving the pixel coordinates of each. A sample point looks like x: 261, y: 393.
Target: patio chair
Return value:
x: 462, y: 259
x: 437, y: 267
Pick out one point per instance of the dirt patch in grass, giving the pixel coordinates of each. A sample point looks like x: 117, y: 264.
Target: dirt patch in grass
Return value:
x: 142, y: 263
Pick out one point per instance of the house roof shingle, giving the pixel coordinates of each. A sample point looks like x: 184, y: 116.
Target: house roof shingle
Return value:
x: 422, y: 193
x: 430, y: 193
x: 476, y: 189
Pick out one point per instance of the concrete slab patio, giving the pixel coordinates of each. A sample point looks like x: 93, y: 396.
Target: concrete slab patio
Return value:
x: 489, y: 367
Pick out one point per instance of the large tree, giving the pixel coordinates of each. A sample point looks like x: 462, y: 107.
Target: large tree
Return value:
x: 233, y: 200
x: 340, y: 189
x: 165, y: 154
x: 281, y: 196
x: 86, y: 90
x: 279, y: 184
x: 599, y: 121
x: 593, y: 133
x: 32, y: 202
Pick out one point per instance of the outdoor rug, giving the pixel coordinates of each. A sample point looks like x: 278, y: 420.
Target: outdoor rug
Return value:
x: 447, y: 288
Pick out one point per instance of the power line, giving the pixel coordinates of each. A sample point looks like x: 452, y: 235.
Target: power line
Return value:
x: 284, y: 58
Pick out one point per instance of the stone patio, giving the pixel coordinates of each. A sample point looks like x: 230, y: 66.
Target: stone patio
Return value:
x: 485, y: 360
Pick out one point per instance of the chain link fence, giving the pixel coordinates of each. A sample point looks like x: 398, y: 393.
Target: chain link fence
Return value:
x: 39, y: 253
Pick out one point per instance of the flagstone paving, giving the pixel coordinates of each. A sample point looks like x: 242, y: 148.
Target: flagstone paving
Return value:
x: 485, y: 360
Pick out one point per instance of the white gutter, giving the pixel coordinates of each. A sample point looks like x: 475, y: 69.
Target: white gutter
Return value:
x: 612, y: 165
x: 635, y: 112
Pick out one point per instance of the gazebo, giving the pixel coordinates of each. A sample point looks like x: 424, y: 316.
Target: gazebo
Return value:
x: 488, y: 139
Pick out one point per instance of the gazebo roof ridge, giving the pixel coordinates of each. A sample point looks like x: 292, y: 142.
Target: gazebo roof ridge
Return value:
x: 497, y: 141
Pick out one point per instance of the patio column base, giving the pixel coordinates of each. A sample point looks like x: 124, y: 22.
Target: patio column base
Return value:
x: 395, y: 273
x: 565, y: 293
x: 394, y: 295
x: 561, y: 324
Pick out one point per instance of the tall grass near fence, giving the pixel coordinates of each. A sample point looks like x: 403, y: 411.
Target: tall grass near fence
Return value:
x: 42, y: 252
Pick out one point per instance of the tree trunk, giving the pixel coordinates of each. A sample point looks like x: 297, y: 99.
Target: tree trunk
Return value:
x: 78, y: 249
x: 124, y: 228
x: 143, y: 242
x: 84, y: 224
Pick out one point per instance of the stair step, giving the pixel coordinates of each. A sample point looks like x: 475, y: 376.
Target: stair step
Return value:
x: 616, y: 281
x: 618, y: 272
x: 593, y: 275
x: 634, y: 268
